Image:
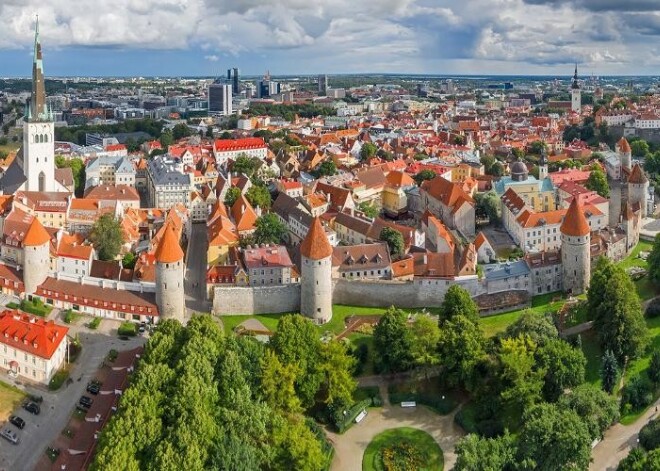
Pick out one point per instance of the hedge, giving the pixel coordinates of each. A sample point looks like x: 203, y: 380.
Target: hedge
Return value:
x: 127, y: 328
x: 94, y: 323
x: 351, y: 414
x: 58, y: 380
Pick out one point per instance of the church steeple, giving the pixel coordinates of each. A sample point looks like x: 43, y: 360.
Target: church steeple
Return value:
x: 576, y: 84
x: 38, y: 110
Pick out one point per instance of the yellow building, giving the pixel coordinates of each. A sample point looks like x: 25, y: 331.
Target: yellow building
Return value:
x: 394, y: 199
x: 222, y: 235
x: 537, y: 194
x: 463, y: 171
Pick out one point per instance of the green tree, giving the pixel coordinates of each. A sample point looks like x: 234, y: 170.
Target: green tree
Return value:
x: 425, y: 337
x: 487, y: 161
x: 617, y: 311
x: 77, y: 167
x: 649, y: 436
x: 232, y: 195
x: 597, y: 181
x: 393, y: 342
x: 270, y: 230
x: 609, y: 372
x: 297, y: 342
x: 369, y: 210
x: 458, y: 302
x: 639, y: 148
x: 654, y: 368
x: 278, y: 384
x: 552, y: 439
x: 258, y: 195
x: 537, y: 327
x: 638, y: 460
x: 327, y: 168
x: 394, y: 241
x: 475, y: 453
x: 180, y: 131
x: 564, y: 367
x: 461, y: 348
x: 488, y: 205
x: 107, y: 237
x: 368, y: 150
x: 497, y: 170
x: 244, y: 164
x: 654, y: 260
x: 424, y: 175
x: 597, y: 409
x: 537, y: 147
x: 166, y: 139
x: 296, y: 446
x: 337, y: 366
x: 522, y: 380
x: 129, y: 260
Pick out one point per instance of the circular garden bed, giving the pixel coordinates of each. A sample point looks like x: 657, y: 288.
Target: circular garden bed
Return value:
x: 403, y: 449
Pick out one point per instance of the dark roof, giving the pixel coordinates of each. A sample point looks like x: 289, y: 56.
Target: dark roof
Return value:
x: 14, y: 176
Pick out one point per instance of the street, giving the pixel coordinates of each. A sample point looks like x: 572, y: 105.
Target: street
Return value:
x: 57, y: 406
x: 195, y: 281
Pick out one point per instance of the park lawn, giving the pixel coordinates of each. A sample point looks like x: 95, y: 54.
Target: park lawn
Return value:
x: 421, y: 440
x: 633, y: 260
x: 10, y: 398
x: 357, y: 339
x: 492, y: 325
x: 269, y: 320
x: 593, y: 353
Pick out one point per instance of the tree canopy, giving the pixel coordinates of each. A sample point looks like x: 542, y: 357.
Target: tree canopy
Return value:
x: 107, y: 237
x: 457, y: 302
x: 394, y: 241
x: 393, y: 342
x: 270, y: 230
x: 597, y: 181
x: 258, y: 195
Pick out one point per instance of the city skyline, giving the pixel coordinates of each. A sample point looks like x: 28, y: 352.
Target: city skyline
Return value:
x: 199, y: 37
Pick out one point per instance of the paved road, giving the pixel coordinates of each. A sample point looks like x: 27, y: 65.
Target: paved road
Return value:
x: 618, y: 442
x: 195, y: 282
x: 57, y: 406
x: 349, y: 447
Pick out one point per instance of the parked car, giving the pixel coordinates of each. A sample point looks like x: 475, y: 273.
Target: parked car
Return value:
x: 86, y: 401
x: 10, y: 436
x: 141, y: 329
x: 32, y: 407
x: 17, y: 421
x: 93, y: 387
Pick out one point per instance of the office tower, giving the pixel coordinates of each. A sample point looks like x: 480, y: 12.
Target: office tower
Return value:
x: 220, y: 99
x: 323, y: 84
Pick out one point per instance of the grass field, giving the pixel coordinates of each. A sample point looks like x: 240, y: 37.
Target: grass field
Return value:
x: 422, y: 443
x: 541, y: 304
x: 10, y: 397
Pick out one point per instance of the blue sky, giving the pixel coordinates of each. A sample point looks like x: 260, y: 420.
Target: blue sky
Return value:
x: 205, y: 37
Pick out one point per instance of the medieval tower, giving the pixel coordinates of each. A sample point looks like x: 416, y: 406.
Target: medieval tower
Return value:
x: 38, y: 131
x: 576, y: 93
x: 625, y: 154
x: 36, y: 256
x: 169, y: 276
x: 575, y: 250
x: 316, y: 274
x: 638, y: 189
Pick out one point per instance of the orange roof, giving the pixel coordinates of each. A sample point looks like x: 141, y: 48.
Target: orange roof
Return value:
x: 623, y: 145
x: 479, y: 241
x: 30, y: 334
x: 316, y: 246
x: 637, y: 175
x: 575, y: 223
x: 398, y: 179
x: 243, y: 213
x: 169, y: 250
x: 36, y: 235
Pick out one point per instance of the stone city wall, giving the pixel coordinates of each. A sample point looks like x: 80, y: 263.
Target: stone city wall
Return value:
x: 242, y: 300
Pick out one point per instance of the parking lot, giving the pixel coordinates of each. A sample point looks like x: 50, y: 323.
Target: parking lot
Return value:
x: 40, y: 430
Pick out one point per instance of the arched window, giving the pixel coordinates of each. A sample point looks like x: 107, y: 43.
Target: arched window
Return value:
x: 42, y: 181
x: 45, y: 137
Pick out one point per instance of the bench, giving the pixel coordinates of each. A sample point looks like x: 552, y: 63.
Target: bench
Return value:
x: 360, y: 416
x: 409, y: 404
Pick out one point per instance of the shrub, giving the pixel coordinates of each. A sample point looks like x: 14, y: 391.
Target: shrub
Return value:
x: 58, y: 379
x: 649, y: 436
x: 343, y: 421
x: 370, y: 393
x: 127, y: 328
x: 13, y: 305
x: 70, y: 316
x: 112, y: 355
x: 94, y: 323
x: 361, y: 354
x: 36, y: 307
x: 653, y: 309
x: 638, y: 393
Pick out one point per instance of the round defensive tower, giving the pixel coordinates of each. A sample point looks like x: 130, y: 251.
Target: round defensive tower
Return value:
x: 575, y: 250
x: 36, y: 256
x: 316, y: 274
x: 169, y: 276
x: 625, y: 153
x: 638, y: 188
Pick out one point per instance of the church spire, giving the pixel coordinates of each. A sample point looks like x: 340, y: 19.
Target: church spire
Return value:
x: 576, y: 84
x: 38, y: 102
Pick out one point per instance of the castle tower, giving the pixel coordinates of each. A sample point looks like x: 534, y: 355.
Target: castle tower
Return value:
x: 543, y: 164
x: 169, y: 276
x: 575, y: 250
x: 36, y: 256
x: 38, y: 131
x: 316, y: 274
x: 625, y: 153
x: 576, y: 93
x: 630, y: 226
x: 638, y: 189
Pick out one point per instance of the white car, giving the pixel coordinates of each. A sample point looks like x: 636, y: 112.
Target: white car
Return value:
x: 11, y: 436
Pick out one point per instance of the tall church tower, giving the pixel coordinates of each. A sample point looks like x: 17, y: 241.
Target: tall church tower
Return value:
x: 576, y: 93
x: 38, y: 131
x: 543, y: 164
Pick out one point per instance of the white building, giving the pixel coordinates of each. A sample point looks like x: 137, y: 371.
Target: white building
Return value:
x: 109, y: 171
x: 224, y: 149
x: 167, y: 185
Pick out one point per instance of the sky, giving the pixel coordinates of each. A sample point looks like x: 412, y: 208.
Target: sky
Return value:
x: 205, y: 37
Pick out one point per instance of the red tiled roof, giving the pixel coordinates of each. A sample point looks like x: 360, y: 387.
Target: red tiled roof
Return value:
x: 36, y: 235
x: 30, y: 334
x: 221, y: 145
x: 575, y: 223
x: 169, y: 250
x: 316, y: 245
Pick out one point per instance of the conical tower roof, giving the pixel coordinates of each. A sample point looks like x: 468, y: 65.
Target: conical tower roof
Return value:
x: 624, y: 146
x: 169, y: 250
x: 637, y: 175
x: 316, y: 245
x: 36, y: 235
x: 575, y: 223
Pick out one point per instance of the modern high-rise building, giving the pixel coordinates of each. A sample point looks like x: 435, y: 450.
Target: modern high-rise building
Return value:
x: 220, y: 98
x: 235, y: 84
x: 266, y: 88
x: 323, y: 84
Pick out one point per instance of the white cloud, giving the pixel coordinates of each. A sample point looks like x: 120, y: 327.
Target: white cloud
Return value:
x: 212, y: 58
